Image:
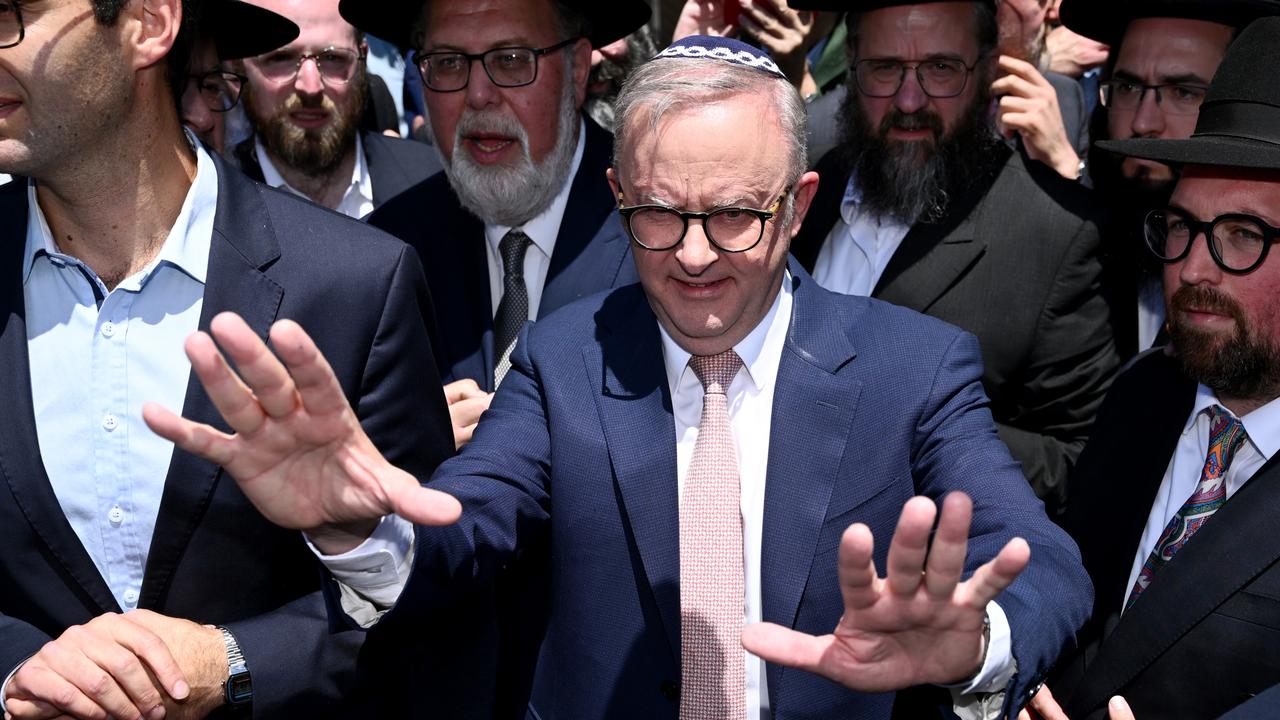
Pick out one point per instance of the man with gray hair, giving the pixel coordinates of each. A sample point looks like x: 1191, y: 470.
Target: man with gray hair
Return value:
x: 712, y: 448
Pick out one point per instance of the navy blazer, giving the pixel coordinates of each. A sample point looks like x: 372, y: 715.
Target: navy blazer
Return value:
x: 577, y: 457
x: 1205, y: 636
x: 213, y: 558
x: 592, y: 253
x: 395, y: 164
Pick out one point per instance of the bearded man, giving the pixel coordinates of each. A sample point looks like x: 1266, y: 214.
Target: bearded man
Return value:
x: 305, y: 102
x: 923, y: 206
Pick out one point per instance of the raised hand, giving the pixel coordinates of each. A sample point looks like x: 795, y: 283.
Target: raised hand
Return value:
x: 112, y: 666
x: 1029, y: 107
x: 705, y: 17
x: 298, y: 452
x: 787, y: 34
x: 920, y: 624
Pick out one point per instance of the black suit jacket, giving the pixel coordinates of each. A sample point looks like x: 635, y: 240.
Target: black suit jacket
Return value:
x: 213, y: 558
x: 395, y: 164
x: 1205, y: 636
x: 1014, y: 262
x: 592, y: 253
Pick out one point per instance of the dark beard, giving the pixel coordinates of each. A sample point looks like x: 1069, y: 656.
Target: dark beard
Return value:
x: 915, y: 181
x: 314, y: 153
x: 1240, y: 366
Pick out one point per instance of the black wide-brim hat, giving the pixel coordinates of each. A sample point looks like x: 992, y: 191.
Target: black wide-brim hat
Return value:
x: 864, y: 5
x: 393, y: 20
x: 1106, y: 20
x: 241, y: 30
x: 1239, y: 123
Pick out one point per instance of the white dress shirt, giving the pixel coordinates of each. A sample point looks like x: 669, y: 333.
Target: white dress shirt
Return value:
x: 858, y: 248
x: 357, y: 200
x: 1183, y: 473
x: 542, y: 230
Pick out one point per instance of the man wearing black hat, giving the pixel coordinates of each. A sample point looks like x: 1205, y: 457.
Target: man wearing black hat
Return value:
x: 1164, y: 52
x: 305, y: 102
x: 136, y: 580
x: 923, y: 206
x: 1177, y: 521
x: 522, y: 221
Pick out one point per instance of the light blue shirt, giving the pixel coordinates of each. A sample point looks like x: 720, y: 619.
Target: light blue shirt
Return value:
x: 96, y: 357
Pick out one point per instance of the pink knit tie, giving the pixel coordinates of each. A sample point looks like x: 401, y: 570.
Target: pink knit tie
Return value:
x: 714, y: 672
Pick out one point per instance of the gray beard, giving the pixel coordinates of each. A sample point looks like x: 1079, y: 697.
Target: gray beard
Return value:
x: 511, y: 195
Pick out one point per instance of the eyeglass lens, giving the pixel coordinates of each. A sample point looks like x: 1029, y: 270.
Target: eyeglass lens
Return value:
x: 938, y: 77
x: 1237, y: 242
x: 11, y: 29
x: 334, y: 64
x: 507, y: 67
x: 1173, y: 99
x: 220, y: 90
x: 732, y: 229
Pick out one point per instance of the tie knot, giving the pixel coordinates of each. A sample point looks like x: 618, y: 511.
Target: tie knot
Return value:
x: 716, y: 371
x: 1225, y: 432
x: 512, y: 248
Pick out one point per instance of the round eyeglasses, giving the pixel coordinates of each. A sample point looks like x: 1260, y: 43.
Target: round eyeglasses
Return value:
x: 1238, y: 243
x: 505, y: 66
x: 1172, y: 98
x: 219, y: 89
x: 12, y: 29
x: 730, y: 229
x: 336, y: 65
x: 939, y: 77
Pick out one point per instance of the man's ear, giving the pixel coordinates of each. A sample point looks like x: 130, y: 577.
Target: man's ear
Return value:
x: 153, y: 27
x: 581, y: 70
x: 803, y: 192
x: 613, y: 185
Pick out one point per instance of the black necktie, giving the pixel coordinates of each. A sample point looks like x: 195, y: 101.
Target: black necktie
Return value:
x: 513, y: 310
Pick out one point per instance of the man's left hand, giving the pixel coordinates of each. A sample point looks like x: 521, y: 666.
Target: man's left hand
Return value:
x: 919, y: 624
x: 1029, y: 107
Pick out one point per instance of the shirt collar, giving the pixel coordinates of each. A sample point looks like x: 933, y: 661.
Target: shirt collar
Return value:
x: 1262, y: 425
x: 361, y: 182
x: 545, y: 227
x: 186, y: 247
x: 760, y: 350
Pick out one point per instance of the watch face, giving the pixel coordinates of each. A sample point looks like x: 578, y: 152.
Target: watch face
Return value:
x: 239, y: 688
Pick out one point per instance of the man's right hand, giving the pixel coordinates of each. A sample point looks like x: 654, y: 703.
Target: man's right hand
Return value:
x: 467, y: 402
x: 111, y: 666
x: 298, y: 453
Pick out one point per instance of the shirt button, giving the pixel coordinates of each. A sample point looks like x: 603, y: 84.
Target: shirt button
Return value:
x: 116, y: 516
x: 108, y: 329
x: 110, y: 422
x: 131, y: 597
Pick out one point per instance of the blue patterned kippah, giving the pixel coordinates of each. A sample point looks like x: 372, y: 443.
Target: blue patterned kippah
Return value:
x: 721, y: 48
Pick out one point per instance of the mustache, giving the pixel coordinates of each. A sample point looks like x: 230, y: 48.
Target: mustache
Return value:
x: 1195, y: 298
x: 473, y: 122
x: 919, y: 120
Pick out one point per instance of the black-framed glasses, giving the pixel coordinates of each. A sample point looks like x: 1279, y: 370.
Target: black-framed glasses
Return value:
x: 12, y: 29
x: 939, y: 77
x: 730, y: 229
x: 336, y: 65
x: 1238, y: 243
x: 505, y: 66
x: 1172, y: 98
x: 219, y: 89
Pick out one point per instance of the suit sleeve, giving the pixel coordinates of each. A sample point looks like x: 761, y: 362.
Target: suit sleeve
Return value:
x: 18, y: 641
x: 1071, y: 365
x: 957, y: 448
x: 300, y: 663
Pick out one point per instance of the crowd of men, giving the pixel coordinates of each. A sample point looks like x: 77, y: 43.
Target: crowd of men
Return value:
x: 832, y: 359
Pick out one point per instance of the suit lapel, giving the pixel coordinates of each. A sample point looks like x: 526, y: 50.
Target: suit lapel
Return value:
x: 243, y: 245
x: 635, y: 412
x: 590, y: 240
x: 1201, y: 577
x: 813, y: 409
x: 20, y: 462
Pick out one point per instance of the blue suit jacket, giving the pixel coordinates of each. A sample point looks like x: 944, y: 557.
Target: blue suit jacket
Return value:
x: 577, y: 457
x: 213, y: 558
x: 592, y: 253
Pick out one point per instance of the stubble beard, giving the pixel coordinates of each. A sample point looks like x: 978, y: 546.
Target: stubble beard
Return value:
x: 1242, y: 365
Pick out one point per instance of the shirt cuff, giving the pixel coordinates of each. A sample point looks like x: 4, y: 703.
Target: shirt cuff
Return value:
x: 982, y: 698
x: 378, y: 568
x: 4, y: 687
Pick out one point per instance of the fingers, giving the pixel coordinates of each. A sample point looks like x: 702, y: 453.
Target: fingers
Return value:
x: 259, y: 368
x: 858, y: 581
x: 316, y: 384
x: 1118, y: 709
x: 784, y: 646
x: 1046, y: 706
x: 910, y: 545
x: 465, y: 389
x: 950, y: 544
x: 234, y: 400
x: 415, y: 503
x: 150, y: 649
x: 464, y: 415
x: 992, y: 578
x: 195, y: 438
x: 78, y: 659
x: 36, y: 693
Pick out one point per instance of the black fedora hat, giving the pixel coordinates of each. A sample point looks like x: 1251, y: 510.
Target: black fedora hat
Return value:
x: 863, y: 5
x: 393, y: 20
x: 241, y: 30
x: 1106, y: 20
x: 1239, y: 123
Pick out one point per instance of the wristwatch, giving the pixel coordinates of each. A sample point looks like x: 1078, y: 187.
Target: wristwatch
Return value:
x: 239, y: 687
